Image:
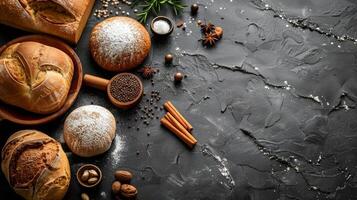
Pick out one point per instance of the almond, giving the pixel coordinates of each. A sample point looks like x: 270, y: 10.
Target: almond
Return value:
x: 84, y: 196
x: 123, y: 176
x: 92, y: 181
x: 93, y: 173
x: 128, y: 191
x: 85, y: 176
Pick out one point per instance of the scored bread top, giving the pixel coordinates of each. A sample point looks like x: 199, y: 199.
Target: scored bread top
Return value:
x: 35, y: 77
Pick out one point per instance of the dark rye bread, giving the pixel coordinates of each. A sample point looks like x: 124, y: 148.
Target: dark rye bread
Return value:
x: 27, y: 162
x: 35, y: 165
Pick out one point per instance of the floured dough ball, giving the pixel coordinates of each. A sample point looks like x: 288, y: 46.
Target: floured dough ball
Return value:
x: 119, y: 44
x: 89, y: 130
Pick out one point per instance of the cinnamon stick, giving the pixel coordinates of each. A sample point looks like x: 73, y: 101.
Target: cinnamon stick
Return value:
x: 177, y: 117
x: 187, y: 124
x: 179, y: 126
x: 177, y: 132
x: 174, y: 112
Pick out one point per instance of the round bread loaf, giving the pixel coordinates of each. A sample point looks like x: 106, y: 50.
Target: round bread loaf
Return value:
x: 89, y: 130
x: 35, y: 166
x: 35, y: 77
x: 119, y: 44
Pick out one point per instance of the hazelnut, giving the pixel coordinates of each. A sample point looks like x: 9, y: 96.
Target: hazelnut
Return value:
x: 123, y: 176
x: 85, y: 176
x: 92, y: 181
x: 178, y: 77
x: 84, y: 196
x: 169, y: 58
x: 194, y: 8
x: 116, y: 187
x: 128, y: 191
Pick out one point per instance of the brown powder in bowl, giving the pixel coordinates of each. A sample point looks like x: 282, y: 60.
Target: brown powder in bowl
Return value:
x: 125, y: 87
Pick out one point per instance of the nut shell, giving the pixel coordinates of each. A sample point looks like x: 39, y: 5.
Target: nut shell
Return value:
x: 123, y: 176
x: 116, y: 187
x: 128, y: 191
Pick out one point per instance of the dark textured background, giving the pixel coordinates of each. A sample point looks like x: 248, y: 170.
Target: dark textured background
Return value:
x: 273, y: 107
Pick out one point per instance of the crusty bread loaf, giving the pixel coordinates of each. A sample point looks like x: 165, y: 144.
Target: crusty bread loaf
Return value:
x: 35, y: 77
x: 89, y: 130
x: 62, y: 18
x: 35, y: 166
x: 119, y: 44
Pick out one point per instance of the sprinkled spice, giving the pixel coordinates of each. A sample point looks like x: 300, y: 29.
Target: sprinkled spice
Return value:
x: 125, y: 88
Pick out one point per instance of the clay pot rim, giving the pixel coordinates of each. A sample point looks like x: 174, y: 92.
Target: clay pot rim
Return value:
x: 86, y: 167
x: 130, y: 104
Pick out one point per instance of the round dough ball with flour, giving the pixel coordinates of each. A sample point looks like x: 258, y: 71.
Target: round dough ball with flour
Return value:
x: 89, y: 130
x: 119, y: 44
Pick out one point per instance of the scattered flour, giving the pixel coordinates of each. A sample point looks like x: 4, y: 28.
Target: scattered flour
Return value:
x: 222, y: 166
x: 119, y: 148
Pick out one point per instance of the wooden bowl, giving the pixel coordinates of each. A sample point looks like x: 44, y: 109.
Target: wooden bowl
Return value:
x: 125, y: 105
x: 20, y: 116
x: 88, y: 167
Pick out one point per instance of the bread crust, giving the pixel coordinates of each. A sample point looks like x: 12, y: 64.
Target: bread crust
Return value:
x: 62, y: 18
x: 119, y: 44
x: 35, y: 77
x: 89, y: 130
x: 35, y: 166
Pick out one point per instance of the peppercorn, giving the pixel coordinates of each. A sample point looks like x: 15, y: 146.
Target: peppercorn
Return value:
x: 125, y: 88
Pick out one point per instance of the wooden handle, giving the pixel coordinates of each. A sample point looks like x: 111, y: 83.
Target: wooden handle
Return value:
x: 96, y: 82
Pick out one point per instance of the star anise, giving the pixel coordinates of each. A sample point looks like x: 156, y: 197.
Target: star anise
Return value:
x: 210, y: 39
x: 147, y: 72
x: 207, y: 28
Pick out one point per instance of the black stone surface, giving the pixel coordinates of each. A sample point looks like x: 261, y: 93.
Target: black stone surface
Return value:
x: 273, y: 107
